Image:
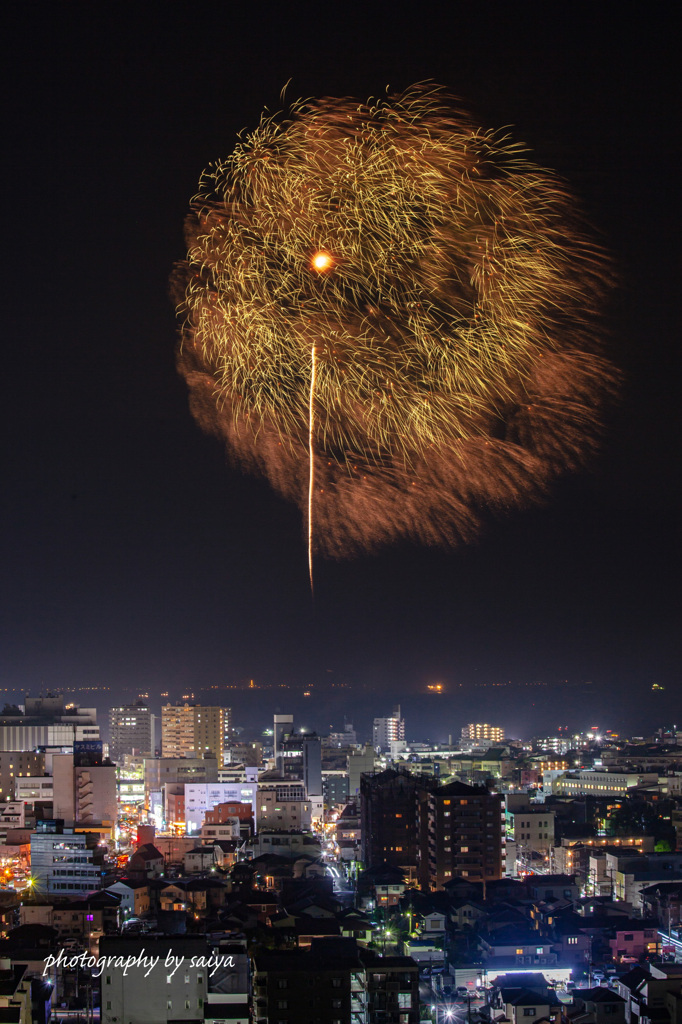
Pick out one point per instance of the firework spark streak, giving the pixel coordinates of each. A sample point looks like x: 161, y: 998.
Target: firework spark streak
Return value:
x: 311, y: 460
x: 389, y: 312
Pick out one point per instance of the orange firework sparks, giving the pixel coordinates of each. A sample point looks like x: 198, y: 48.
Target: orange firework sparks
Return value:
x: 390, y: 313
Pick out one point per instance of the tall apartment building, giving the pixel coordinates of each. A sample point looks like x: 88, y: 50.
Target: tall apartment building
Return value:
x: 464, y: 834
x: 192, y: 730
x: 388, y: 730
x: 393, y: 828
x: 131, y: 730
x: 483, y: 731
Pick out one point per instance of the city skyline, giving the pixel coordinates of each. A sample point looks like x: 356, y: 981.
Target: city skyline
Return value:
x: 136, y: 558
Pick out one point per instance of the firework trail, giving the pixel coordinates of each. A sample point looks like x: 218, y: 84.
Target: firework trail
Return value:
x: 389, y: 312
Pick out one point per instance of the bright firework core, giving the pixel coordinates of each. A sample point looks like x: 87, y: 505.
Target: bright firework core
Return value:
x: 449, y: 363
x: 322, y: 261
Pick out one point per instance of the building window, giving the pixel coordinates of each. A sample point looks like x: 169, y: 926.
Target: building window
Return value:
x: 529, y: 1011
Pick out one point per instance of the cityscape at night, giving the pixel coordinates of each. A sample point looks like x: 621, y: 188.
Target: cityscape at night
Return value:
x: 340, y: 631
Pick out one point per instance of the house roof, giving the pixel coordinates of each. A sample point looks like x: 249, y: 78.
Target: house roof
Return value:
x: 599, y: 995
x: 530, y: 997
x: 147, y: 852
x: 634, y: 978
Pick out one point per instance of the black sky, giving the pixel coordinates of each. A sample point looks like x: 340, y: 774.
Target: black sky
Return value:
x: 135, y: 558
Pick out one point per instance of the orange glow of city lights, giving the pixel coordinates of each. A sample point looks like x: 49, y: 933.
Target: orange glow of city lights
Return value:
x: 322, y: 261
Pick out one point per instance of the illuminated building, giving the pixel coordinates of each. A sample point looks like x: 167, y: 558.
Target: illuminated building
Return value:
x: 299, y: 757
x: 599, y: 783
x: 16, y: 764
x: 131, y: 730
x: 46, y: 722
x: 483, y: 731
x: 387, y: 731
x: 464, y: 834
x: 63, y: 861
x: 192, y: 730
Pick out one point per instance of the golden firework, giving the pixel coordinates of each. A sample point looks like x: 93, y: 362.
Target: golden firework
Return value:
x: 436, y: 284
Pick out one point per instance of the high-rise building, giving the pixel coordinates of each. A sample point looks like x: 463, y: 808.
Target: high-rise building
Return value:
x: 393, y: 824
x: 192, y: 730
x: 131, y: 730
x: 388, y: 730
x: 483, y: 731
x: 464, y: 834
x: 283, y: 725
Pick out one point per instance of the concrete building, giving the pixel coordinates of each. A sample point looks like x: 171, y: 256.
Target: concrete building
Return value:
x: 46, y: 722
x: 277, y: 809
x: 193, y: 730
x: 64, y: 862
x: 12, y: 815
x: 131, y: 730
x: 599, y: 783
x: 83, y: 795
x: 532, y: 832
x: 388, y: 731
x: 360, y: 762
x: 482, y: 731
x: 464, y: 834
x: 17, y: 764
x: 285, y: 844
x: 299, y: 756
x: 335, y: 981
x: 34, y: 789
x: 393, y: 830
x: 200, y: 797
x: 283, y: 725
x: 334, y: 789
x: 186, y: 991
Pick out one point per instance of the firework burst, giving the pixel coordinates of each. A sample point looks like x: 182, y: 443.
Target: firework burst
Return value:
x: 389, y: 313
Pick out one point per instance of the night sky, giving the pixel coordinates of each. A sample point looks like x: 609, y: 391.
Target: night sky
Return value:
x: 136, y: 558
